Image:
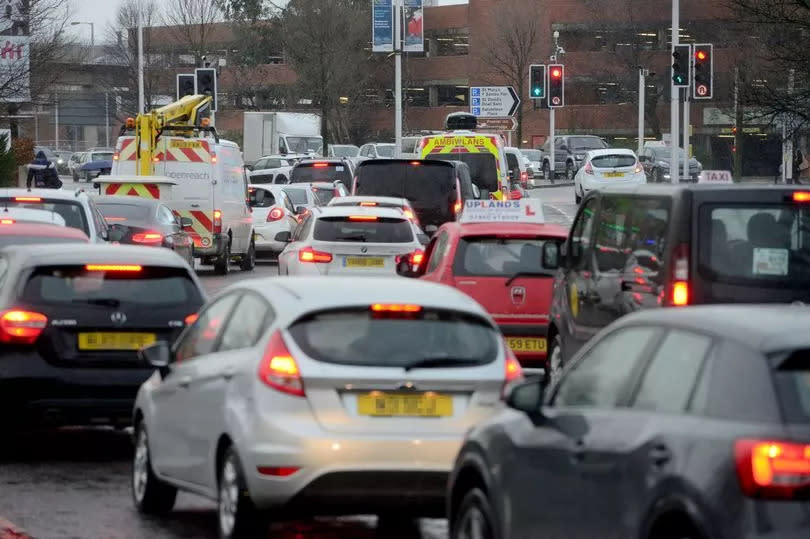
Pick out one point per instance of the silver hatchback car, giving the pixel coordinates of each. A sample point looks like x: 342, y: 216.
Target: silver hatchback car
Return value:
x: 317, y: 396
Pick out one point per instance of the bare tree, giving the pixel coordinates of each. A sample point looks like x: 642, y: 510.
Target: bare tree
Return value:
x: 191, y: 22
x: 512, y: 46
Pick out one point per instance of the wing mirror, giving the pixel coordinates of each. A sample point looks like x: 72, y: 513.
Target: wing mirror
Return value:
x: 300, y: 210
x: 156, y: 355
x: 526, y: 397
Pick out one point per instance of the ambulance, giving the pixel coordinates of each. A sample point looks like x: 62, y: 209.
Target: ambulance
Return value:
x: 200, y: 178
x: 483, y: 153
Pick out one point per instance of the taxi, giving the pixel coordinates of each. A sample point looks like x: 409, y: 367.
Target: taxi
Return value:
x: 502, y: 254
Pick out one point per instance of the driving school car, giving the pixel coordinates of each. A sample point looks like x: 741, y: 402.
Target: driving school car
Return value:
x: 496, y: 253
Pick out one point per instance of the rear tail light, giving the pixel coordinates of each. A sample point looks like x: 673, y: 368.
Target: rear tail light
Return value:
x: 801, y: 196
x: 524, y: 178
x: 588, y: 168
x: 415, y: 163
x: 148, y: 238
x: 638, y: 169
x: 680, y: 276
x: 277, y: 471
x: 774, y: 470
x: 278, y: 369
x: 116, y: 157
x: 396, y: 308
x: 156, y: 159
x: 190, y: 319
x: 512, y: 369
x: 457, y: 207
x: 214, y: 159
x: 410, y: 215
x: 27, y: 199
x: 414, y: 259
x: 275, y: 215
x: 21, y: 327
x: 6, y: 221
x: 217, y: 222
x: 309, y: 254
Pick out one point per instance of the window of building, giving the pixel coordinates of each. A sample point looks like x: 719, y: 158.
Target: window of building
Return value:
x: 456, y: 45
x: 452, y: 95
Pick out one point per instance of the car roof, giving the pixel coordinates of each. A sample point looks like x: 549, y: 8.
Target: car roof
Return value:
x: 767, y: 328
x: 56, y: 254
x: 675, y: 189
x: 42, y: 229
x: 309, y: 161
x: 316, y: 293
x: 128, y: 200
x: 350, y: 200
x: 319, y: 185
x: 53, y: 194
x: 517, y: 229
x: 611, y: 151
x: 346, y: 211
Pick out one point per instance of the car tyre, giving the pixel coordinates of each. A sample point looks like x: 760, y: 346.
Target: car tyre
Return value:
x: 555, y: 363
x: 151, y: 495
x: 577, y: 196
x: 222, y: 265
x: 237, y: 516
x: 569, y: 171
x: 474, y: 519
x: 249, y: 260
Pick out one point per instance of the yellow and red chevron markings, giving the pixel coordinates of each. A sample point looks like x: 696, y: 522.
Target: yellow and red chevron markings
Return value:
x: 202, y: 226
x: 189, y: 151
x: 145, y: 190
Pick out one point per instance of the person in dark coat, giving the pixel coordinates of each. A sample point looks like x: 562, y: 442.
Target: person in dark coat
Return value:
x: 42, y: 173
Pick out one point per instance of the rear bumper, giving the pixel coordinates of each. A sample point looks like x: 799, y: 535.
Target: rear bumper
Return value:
x: 264, y: 238
x: 32, y: 391
x: 216, y: 248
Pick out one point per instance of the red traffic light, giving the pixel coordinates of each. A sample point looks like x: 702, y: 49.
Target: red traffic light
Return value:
x: 556, y: 73
x: 701, y: 55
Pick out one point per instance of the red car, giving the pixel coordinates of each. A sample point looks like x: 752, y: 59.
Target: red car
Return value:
x: 17, y: 233
x: 501, y: 266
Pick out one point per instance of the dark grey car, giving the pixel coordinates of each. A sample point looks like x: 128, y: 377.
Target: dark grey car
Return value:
x: 670, y: 424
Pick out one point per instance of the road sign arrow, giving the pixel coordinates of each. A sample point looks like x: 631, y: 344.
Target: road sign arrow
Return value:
x: 516, y: 103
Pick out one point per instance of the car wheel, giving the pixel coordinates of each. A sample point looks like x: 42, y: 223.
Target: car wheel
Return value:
x: 222, y: 265
x: 569, y: 171
x: 474, y: 519
x: 577, y: 196
x: 150, y: 494
x: 555, y: 363
x: 237, y: 516
x: 249, y: 260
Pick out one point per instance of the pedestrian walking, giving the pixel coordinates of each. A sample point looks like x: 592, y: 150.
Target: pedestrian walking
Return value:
x: 42, y: 173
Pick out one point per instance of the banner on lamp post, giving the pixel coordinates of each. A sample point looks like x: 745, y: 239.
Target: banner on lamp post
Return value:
x: 15, y: 69
x: 414, y: 28
x: 382, y: 31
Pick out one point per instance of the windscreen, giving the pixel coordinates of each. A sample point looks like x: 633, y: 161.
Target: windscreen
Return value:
x: 304, y: 144
x: 426, y: 185
x: 483, y: 167
x: 363, y: 337
x: 792, y: 378
x: 614, y: 161
x: 499, y: 257
x: 298, y: 197
x: 150, y: 287
x: 72, y: 212
x: 586, y: 143
x: 344, y: 151
x: 20, y: 239
x: 124, y: 212
x: 101, y: 156
x: 323, y: 195
x: 533, y: 155
x: 760, y: 244
x: 321, y: 172
x: 385, y: 151
x: 380, y: 230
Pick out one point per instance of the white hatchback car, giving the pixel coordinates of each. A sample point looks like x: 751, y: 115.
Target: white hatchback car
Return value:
x: 272, y: 212
x: 76, y: 208
x: 350, y: 240
x: 317, y: 396
x: 610, y: 167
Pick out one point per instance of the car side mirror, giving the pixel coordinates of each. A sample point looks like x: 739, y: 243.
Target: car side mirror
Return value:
x: 283, y: 237
x: 551, y: 255
x: 476, y: 192
x: 642, y: 158
x: 406, y: 269
x: 157, y: 355
x: 526, y: 397
x: 186, y: 222
x: 104, y: 234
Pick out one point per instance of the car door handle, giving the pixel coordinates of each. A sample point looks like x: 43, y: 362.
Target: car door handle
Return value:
x: 195, y: 205
x: 660, y: 455
x: 228, y: 373
x: 184, y: 381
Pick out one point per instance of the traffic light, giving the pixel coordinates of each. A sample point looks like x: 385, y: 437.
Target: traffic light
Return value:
x: 207, y: 83
x: 537, y: 81
x: 185, y: 86
x: 704, y: 67
x: 680, y: 65
x: 556, y: 86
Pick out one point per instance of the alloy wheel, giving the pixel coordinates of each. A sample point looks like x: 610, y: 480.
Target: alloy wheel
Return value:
x: 140, y: 468
x: 228, y: 498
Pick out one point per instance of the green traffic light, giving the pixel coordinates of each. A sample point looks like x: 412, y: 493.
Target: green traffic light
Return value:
x: 537, y: 92
x: 678, y: 79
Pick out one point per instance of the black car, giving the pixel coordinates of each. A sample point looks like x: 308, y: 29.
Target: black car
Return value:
x: 71, y: 323
x: 146, y: 221
x: 678, y: 423
x: 323, y: 170
x: 673, y: 245
x: 436, y: 189
x: 656, y: 159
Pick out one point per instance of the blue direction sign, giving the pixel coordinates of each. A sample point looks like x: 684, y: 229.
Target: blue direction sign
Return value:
x: 493, y: 101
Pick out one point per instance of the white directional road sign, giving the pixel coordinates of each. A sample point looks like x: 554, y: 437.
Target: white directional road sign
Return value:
x: 493, y: 101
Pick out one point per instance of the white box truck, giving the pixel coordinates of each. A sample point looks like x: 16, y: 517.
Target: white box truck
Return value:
x: 274, y: 133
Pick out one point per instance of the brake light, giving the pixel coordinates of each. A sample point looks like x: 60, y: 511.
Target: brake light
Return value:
x: 395, y: 308
x: 7, y: 221
x: 457, y: 207
x: 217, y: 221
x: 415, y: 258
x: 320, y: 165
x: 770, y: 469
x: 27, y: 199
x: 111, y: 219
x: 190, y: 319
x: 148, y: 238
x: 409, y: 214
x: 801, y: 196
x: 362, y: 218
x: 21, y: 327
x: 415, y: 163
x: 511, y: 369
x: 277, y: 471
x: 214, y: 159
x: 308, y: 254
x: 368, y: 204
x: 116, y: 157
x: 275, y: 214
x: 113, y: 267
x: 588, y: 168
x: 278, y: 369
x: 639, y: 169
x: 524, y: 177
x: 679, y: 295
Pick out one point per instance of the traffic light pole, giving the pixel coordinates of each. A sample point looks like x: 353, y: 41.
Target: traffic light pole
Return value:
x: 642, y: 73
x: 686, y: 133
x: 674, y: 98
x: 552, y: 164
x: 397, y: 78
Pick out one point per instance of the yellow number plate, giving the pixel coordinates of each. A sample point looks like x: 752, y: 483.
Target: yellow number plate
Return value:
x: 364, y: 262
x: 613, y: 174
x: 115, y: 341
x: 400, y: 404
x: 526, y: 344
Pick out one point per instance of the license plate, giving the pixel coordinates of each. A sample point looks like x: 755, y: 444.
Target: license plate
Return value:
x: 364, y: 262
x: 613, y: 174
x: 115, y: 341
x: 400, y: 404
x: 526, y: 344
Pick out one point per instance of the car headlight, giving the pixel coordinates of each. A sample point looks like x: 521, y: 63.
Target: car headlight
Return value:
x: 60, y: 162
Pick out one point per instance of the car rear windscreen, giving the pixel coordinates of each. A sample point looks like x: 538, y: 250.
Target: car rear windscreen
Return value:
x: 586, y: 143
x: 323, y: 195
x: 614, y: 161
x: 792, y: 378
x: 321, y: 172
x: 483, y: 167
x: 499, y: 257
x: 363, y: 337
x: 297, y: 196
x: 125, y: 212
x: 533, y: 155
x: 101, y: 156
x: 380, y: 230
x: 72, y: 212
x: 149, y: 287
x: 757, y: 244
x: 426, y: 185
x: 20, y: 239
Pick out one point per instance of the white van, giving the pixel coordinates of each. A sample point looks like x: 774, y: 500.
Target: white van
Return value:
x: 201, y: 178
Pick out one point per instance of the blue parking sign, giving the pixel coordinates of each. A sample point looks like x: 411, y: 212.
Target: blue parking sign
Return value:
x: 476, y: 111
x: 475, y: 92
x: 476, y: 101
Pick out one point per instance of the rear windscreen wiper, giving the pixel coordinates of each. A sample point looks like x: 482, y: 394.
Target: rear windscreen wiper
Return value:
x: 528, y: 274
x: 440, y: 361
x: 106, y: 302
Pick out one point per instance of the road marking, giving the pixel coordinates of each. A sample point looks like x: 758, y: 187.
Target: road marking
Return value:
x: 561, y: 211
